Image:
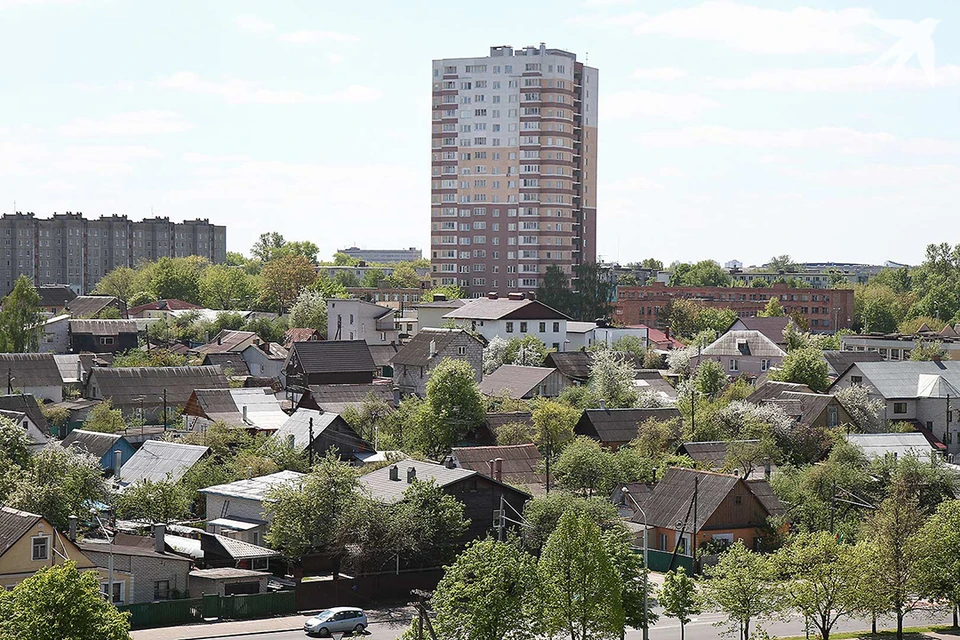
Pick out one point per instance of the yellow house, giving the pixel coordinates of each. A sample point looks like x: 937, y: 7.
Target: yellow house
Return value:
x: 29, y: 543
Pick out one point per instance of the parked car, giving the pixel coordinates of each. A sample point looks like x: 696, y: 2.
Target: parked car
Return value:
x: 336, y: 619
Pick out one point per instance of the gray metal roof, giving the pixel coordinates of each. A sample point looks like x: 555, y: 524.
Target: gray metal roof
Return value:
x: 505, y: 308
x: 878, y: 445
x: 417, y: 352
x: 382, y: 488
x: 26, y: 403
x: 227, y: 405
x: 254, y: 488
x: 103, y: 327
x: 514, y: 381
x: 89, y: 306
x: 334, y: 398
x: 333, y: 356
x: 298, y: 426
x: 14, y: 524
x: 158, y: 460
x: 900, y: 379
x: 840, y: 361
x: 127, y: 385
x: 93, y: 442
x: 30, y: 370
x: 743, y: 343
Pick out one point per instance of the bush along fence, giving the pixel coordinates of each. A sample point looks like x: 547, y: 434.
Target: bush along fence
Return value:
x: 210, y: 607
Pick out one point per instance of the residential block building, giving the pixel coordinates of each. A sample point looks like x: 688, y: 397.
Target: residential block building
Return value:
x: 825, y: 310
x: 70, y: 249
x: 514, y: 167
x: 384, y: 256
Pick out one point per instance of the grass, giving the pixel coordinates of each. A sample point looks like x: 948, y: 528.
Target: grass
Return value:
x: 909, y: 633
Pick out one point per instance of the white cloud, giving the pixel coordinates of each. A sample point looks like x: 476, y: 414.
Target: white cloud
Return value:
x: 838, y: 139
x: 659, y: 73
x: 629, y: 104
x: 761, y: 30
x: 134, y: 123
x: 857, y: 78
x: 335, y: 58
x: 634, y: 184
x: 885, y: 176
x: 308, y: 37
x: 606, y: 3
x: 237, y: 91
x: 254, y: 24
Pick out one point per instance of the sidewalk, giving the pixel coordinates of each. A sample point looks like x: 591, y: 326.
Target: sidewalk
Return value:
x: 252, y: 627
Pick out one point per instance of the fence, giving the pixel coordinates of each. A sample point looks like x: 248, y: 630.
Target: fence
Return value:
x: 664, y: 561
x: 210, y: 607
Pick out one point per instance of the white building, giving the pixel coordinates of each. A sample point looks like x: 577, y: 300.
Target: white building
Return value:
x: 512, y: 317
x: 352, y: 319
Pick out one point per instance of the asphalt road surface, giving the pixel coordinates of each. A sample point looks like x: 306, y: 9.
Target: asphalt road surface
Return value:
x: 701, y: 628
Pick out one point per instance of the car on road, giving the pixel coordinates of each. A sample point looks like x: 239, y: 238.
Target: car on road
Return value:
x: 336, y: 619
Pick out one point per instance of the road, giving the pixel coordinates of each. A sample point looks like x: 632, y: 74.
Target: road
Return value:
x: 701, y: 628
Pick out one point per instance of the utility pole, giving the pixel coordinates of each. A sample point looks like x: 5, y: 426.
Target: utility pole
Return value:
x: 549, y: 455
x: 310, y: 444
x: 424, y: 617
x: 833, y: 504
x: 693, y: 412
x: 946, y: 429
x: 164, y: 410
x: 693, y: 537
x: 9, y: 381
x: 502, y: 524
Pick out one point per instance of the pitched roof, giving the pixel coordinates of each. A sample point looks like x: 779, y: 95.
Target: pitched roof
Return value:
x: 902, y: 379
x: 619, y: 425
x: 418, y: 353
x: 233, y: 548
x: 254, y: 488
x: 383, y: 354
x: 157, y: 460
x: 514, y: 381
x: 89, y: 306
x: 272, y: 350
x: 669, y: 503
x: 227, y: 405
x: 771, y: 390
x: 333, y: 356
x: 576, y: 364
x: 25, y: 403
x: 127, y: 385
x: 228, y: 341
x: 298, y: 426
x: 103, y: 327
x: 840, y: 361
x: 658, y: 338
x: 380, y: 487
x: 55, y: 295
x: 713, y: 454
x: 170, y: 304
x: 505, y: 309
x: 93, y: 442
x: 334, y: 398
x: 878, y: 445
x: 520, y: 464
x: 772, y: 327
x: 142, y: 551
x: 743, y: 343
x: 456, y: 303
x: 930, y: 385
x: 811, y: 405
x: 225, y: 361
x: 652, y: 380
x: 30, y: 370
x: 763, y: 492
x: 14, y: 524
x: 299, y: 334
x: 494, y: 421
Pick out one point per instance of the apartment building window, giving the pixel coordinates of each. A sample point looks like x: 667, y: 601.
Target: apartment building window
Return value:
x: 40, y: 548
x: 899, y: 407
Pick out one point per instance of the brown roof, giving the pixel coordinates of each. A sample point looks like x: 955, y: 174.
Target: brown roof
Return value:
x: 764, y: 493
x: 89, y: 306
x: 299, y: 334
x: 55, y: 295
x: 514, y: 381
x: 14, y: 524
x: 225, y: 361
x: 520, y: 462
x: 712, y: 454
x: 619, y: 425
x: 505, y: 309
x: 333, y: 356
x: 810, y: 405
x: 127, y: 385
x: 383, y: 354
x: 103, y: 327
x: 416, y: 353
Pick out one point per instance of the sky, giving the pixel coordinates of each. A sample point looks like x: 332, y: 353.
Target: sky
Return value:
x: 727, y: 129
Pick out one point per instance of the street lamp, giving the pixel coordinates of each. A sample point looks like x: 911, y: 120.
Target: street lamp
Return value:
x: 93, y: 512
x: 646, y: 568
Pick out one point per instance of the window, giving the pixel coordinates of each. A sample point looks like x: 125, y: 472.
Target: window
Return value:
x: 117, y: 596
x: 523, y: 327
x: 556, y: 327
x: 40, y: 548
x: 734, y: 364
x: 899, y: 407
x: 461, y: 351
x: 856, y: 379
x: 509, y: 327
x: 764, y: 365
x: 543, y: 327
x: 833, y: 417
x: 106, y: 340
x: 161, y: 589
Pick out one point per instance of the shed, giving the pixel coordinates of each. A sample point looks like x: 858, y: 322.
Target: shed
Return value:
x: 616, y: 427
x: 158, y: 460
x: 330, y: 431
x: 101, y: 446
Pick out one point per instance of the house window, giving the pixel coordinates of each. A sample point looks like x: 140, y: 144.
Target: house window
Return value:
x: 764, y: 364
x: 117, y: 595
x: 734, y: 364
x: 523, y: 327
x: 899, y: 407
x: 40, y: 548
x: 106, y: 341
x: 738, y: 499
x: 663, y: 542
x: 833, y: 418
x: 509, y: 327
x: 260, y: 564
x: 161, y: 589
x: 556, y: 327
x: 856, y: 379
x: 543, y: 327
x: 461, y: 351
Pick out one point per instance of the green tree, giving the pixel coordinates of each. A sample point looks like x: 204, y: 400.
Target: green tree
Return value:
x: 271, y: 330
x: 710, y: 378
x: 824, y: 578
x: 452, y: 408
x: 404, y: 276
x: 346, y: 279
x: 705, y: 273
x: 341, y: 259
x: 267, y: 246
x: 327, y: 287
x: 283, y: 279
x: 120, y: 283
x: 105, y: 419
x: 61, y: 602
x: 555, y: 290
x: 485, y: 594
x: 678, y: 597
x: 528, y: 351
x: 20, y: 318
x: 372, y: 278
x: 773, y: 309
x: 804, y: 366
x: 513, y: 433
x: 783, y: 264
x: 178, y: 278
x: 585, y: 468
x: 309, y: 311
x: 156, y: 357
x: 160, y: 501
x: 935, y: 550
x: 542, y: 514
x: 611, y: 378
x: 742, y: 586
x: 553, y: 424
x: 434, y: 522
x: 583, y: 591
x: 593, y: 292
x: 927, y: 350
x: 225, y: 287
x: 633, y: 577
x: 450, y: 291
x: 630, y: 344
x: 14, y: 444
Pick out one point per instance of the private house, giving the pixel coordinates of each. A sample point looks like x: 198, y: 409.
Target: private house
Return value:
x: 29, y: 543
x: 235, y: 509
x: 35, y: 374
x: 728, y: 509
x: 321, y: 432
x: 486, y: 434
x: 254, y: 409
x: 413, y: 364
x: 659, y: 340
x: 582, y: 335
x: 95, y: 306
x: 814, y: 409
x: 921, y: 393
x: 742, y: 353
x: 148, y: 390
x: 575, y: 365
x: 55, y: 336
x: 154, y: 573
x: 728, y: 456
x: 354, y: 319
x: 157, y: 460
x: 515, y: 316
x: 77, y: 410
x: 265, y: 360
x: 101, y: 446
x: 300, y: 335
x: 896, y: 445
x: 480, y: 494
x: 614, y: 428
x: 335, y: 398
x: 161, y: 309
x: 652, y: 381
x: 54, y: 298
x: 103, y: 336
x: 230, y: 341
x: 431, y: 314
x: 517, y: 465
x: 772, y: 328
x: 773, y: 389
x: 839, y: 361
x: 214, y: 551
x: 523, y: 383
x: 232, y: 364
x: 328, y: 362
x: 23, y: 409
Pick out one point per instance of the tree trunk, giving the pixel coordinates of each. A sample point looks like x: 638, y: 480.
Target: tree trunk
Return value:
x: 746, y: 629
x: 681, y: 631
x: 873, y: 624
x: 956, y: 623
x: 899, y: 625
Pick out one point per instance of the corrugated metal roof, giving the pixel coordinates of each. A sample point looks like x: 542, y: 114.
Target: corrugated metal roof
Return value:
x: 93, y: 442
x: 127, y: 385
x: 520, y: 466
x: 14, y: 524
x: 103, y: 327
x: 901, y: 379
x: 255, y: 488
x: 382, y: 488
x: 878, y: 445
x: 157, y: 460
x: 416, y: 353
x: 30, y: 370
x: 619, y: 425
x: 298, y: 426
x: 771, y: 390
x: 226, y: 405
x: 231, y: 363
x: 514, y: 381
x: 772, y: 327
x: 743, y: 343
x: 334, y: 398
x: 383, y: 354
x: 333, y: 356
x: 840, y: 361
x: 228, y: 341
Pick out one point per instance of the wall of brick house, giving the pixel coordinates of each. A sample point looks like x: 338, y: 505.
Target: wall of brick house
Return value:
x: 145, y: 572
x: 410, y: 381
x: 238, y: 508
x: 200, y: 586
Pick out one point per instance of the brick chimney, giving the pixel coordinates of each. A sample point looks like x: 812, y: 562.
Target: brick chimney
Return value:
x: 411, y: 474
x: 159, y: 535
x: 498, y: 469
x: 394, y: 473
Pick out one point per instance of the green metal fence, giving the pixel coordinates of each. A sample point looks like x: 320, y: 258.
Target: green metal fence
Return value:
x: 664, y: 561
x: 210, y: 607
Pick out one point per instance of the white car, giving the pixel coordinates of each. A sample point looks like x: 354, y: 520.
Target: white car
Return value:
x: 327, y: 621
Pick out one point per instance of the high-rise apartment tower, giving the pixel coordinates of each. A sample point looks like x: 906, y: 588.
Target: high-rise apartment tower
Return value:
x: 514, y: 168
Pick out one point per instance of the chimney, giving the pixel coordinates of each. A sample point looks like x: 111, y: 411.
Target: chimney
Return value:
x: 292, y: 441
x: 265, y: 347
x: 492, y: 295
x: 245, y: 421
x: 79, y: 371
x: 766, y: 469
x: 249, y: 473
x: 73, y: 528
x: 603, y: 404
x: 433, y: 349
x: 498, y: 469
x: 450, y: 463
x: 220, y: 339
x: 491, y: 468
x: 936, y: 357
x: 117, y: 463
x: 654, y: 476
x: 515, y: 296
x: 396, y: 396
x: 411, y: 474
x: 159, y: 534
x: 531, y: 295
x: 394, y: 473
x: 666, y: 332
